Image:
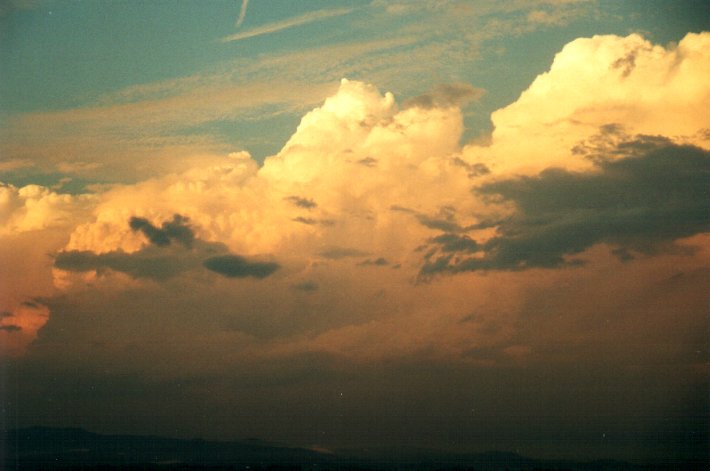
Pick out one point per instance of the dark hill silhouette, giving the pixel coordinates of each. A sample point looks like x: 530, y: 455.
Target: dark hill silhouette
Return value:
x: 42, y: 448
x: 45, y: 448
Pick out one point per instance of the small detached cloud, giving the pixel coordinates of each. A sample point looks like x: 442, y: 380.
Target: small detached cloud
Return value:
x: 378, y: 262
x: 306, y: 286
x: 234, y: 266
x: 368, y: 162
x: 474, y: 170
x: 301, y: 202
x: 313, y: 221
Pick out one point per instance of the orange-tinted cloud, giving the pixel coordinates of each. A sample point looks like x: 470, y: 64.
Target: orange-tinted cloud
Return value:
x: 366, y: 193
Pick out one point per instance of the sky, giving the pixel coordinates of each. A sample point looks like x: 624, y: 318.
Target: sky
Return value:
x: 462, y: 225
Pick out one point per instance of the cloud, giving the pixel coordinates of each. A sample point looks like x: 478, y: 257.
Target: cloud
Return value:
x: 79, y: 141
x: 368, y: 162
x: 444, y: 219
x: 288, y: 23
x: 307, y: 286
x: 146, y: 263
x: 642, y: 202
x: 35, y: 208
x: 456, y: 243
x: 161, y: 261
x: 301, y: 202
x: 34, y: 221
x: 313, y: 221
x: 474, y: 170
x: 446, y: 95
x: 649, y: 89
x: 309, y: 320
x: 378, y: 262
x: 234, y: 266
x: 444, y: 222
x: 398, y: 183
x: 176, y: 230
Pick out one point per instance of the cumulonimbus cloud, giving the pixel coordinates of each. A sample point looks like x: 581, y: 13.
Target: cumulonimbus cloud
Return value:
x: 364, y: 186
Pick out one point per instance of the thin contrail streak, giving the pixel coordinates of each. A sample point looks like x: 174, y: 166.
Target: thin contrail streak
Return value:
x: 287, y: 23
x: 242, y: 13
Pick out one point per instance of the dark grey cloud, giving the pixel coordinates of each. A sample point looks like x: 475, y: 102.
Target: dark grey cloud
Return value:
x: 474, y: 170
x: 639, y: 203
x: 456, y: 243
x: 234, y: 266
x: 626, y: 64
x: 301, y: 202
x: 176, y: 230
x: 378, y: 262
x: 313, y: 221
x: 4, y: 314
x: 163, y: 260
x: 146, y: 263
x: 368, y: 162
x: 444, y: 220
x: 612, y: 142
x: 447, y: 224
x: 446, y: 95
x: 307, y: 221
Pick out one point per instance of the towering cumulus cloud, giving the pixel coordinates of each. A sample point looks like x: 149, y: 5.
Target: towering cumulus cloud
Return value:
x: 572, y: 250
x: 387, y: 227
x: 604, y: 81
x: 557, y: 273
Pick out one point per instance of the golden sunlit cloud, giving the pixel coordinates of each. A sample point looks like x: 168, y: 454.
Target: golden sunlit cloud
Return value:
x: 603, y: 81
x: 364, y: 198
x: 411, y: 229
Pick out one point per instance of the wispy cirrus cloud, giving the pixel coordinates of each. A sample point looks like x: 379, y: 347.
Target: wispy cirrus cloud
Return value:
x: 288, y: 23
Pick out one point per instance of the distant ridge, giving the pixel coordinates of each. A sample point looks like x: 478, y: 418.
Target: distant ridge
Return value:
x: 48, y: 448
x: 70, y: 448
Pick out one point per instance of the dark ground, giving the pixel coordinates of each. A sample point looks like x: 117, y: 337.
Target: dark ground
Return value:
x: 40, y: 448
